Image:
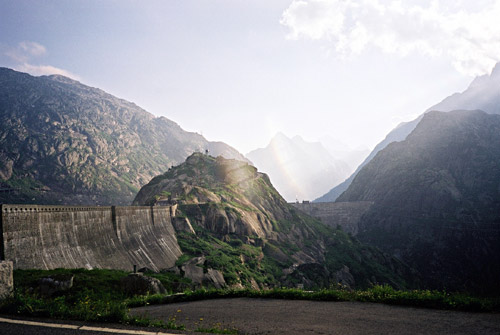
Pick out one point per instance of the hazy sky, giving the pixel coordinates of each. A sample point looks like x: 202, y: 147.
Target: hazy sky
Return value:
x: 241, y: 70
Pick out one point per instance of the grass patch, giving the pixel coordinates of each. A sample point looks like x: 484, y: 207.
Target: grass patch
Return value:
x: 217, y: 329
x: 238, y: 262
x: 95, y: 296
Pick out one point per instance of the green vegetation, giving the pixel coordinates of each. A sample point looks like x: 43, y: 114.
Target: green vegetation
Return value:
x: 95, y: 296
x: 216, y: 329
x: 239, y: 262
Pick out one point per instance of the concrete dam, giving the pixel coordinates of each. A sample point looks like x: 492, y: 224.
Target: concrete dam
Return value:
x: 344, y: 214
x: 116, y: 237
x: 113, y: 237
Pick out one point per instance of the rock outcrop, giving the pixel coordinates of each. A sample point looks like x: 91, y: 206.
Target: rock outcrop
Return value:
x: 6, y: 279
x: 54, y: 285
x: 138, y: 284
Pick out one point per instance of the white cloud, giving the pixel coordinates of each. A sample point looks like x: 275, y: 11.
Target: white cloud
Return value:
x: 41, y: 70
x: 26, y: 50
x: 24, y: 54
x: 466, y: 32
x: 33, y: 48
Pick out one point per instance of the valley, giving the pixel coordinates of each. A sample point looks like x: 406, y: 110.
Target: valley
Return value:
x: 419, y: 213
x: 250, y: 167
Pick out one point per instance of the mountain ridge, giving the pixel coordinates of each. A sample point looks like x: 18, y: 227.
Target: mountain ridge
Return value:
x: 483, y: 93
x: 436, y: 200
x: 67, y: 143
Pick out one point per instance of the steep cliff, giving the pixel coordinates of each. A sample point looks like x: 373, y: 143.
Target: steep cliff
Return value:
x: 437, y: 200
x: 242, y: 227
x: 62, y: 142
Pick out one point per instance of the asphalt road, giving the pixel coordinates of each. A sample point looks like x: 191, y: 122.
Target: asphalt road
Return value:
x: 37, y: 326
x: 266, y: 316
x: 294, y: 317
x: 16, y: 329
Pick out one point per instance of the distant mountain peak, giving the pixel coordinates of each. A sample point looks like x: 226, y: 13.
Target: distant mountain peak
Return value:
x: 279, y: 138
x: 495, y: 73
x: 297, y: 168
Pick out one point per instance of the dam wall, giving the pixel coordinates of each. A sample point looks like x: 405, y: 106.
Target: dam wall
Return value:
x: 344, y: 214
x: 113, y: 237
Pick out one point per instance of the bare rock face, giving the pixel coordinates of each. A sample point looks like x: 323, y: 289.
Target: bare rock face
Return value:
x: 345, y: 278
x: 53, y: 285
x: 6, y: 279
x: 138, y: 284
x: 182, y: 224
x: 194, y: 270
x: 5, y: 168
x: 216, y: 278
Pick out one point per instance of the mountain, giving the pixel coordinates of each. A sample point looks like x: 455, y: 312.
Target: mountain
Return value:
x: 483, y: 94
x: 299, y: 169
x: 353, y: 156
x: 62, y: 142
x: 398, y: 134
x: 234, y: 221
x: 436, y: 200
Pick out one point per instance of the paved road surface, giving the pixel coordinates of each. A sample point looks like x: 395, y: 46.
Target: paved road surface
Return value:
x: 10, y: 325
x: 294, y: 317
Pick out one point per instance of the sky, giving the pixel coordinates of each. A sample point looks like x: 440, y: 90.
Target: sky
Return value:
x: 240, y: 71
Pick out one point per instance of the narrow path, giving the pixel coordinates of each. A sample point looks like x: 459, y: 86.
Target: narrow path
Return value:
x: 294, y: 317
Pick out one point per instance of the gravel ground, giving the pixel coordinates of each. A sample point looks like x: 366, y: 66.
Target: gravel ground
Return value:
x: 290, y: 317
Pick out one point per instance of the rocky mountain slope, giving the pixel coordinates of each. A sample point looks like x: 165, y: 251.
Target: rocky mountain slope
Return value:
x: 233, y: 220
x: 299, y: 169
x: 437, y: 200
x: 482, y: 94
x: 62, y: 142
